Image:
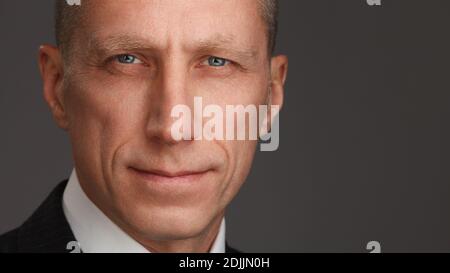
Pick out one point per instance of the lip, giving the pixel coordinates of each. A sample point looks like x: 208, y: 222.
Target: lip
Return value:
x: 169, y: 177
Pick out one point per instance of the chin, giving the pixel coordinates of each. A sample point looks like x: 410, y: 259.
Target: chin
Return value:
x: 154, y: 222
x: 166, y: 210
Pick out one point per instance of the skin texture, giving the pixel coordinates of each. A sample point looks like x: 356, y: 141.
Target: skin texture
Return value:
x: 118, y: 115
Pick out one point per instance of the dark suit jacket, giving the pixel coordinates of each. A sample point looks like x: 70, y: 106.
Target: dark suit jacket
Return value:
x: 47, y: 230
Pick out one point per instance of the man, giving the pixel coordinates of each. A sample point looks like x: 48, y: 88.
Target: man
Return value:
x: 119, y: 69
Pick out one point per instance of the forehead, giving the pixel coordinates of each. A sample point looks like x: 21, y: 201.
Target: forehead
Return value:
x: 171, y: 23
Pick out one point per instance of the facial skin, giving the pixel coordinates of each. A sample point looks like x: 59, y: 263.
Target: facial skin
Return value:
x: 131, y: 62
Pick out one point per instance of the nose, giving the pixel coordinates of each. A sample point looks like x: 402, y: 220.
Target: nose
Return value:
x: 169, y: 90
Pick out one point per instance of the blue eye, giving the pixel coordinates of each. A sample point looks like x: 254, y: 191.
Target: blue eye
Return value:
x: 216, y: 61
x: 127, y: 59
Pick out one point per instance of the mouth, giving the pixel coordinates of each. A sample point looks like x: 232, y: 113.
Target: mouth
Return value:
x: 162, y: 176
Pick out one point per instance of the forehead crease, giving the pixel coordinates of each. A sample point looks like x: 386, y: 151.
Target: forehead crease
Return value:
x: 156, y: 38
x: 121, y: 41
x: 225, y: 43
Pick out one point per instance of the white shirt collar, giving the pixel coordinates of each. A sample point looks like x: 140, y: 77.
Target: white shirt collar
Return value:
x: 96, y: 233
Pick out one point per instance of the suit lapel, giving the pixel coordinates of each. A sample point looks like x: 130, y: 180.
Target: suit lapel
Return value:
x: 47, y: 230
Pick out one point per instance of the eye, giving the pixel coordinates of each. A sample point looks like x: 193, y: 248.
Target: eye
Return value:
x: 217, y: 62
x: 128, y: 59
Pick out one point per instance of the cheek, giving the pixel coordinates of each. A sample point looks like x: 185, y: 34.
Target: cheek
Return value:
x: 244, y: 90
x: 241, y: 154
x: 240, y: 88
x: 102, y: 117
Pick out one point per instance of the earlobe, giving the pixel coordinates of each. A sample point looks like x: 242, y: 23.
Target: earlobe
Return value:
x: 51, y: 68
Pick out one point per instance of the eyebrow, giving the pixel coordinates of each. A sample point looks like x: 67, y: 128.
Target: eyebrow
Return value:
x: 218, y: 43
x: 218, y: 46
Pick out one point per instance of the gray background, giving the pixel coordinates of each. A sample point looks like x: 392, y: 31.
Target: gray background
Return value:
x: 364, y: 153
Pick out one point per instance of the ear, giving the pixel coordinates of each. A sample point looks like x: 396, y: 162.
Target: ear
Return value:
x: 278, y: 74
x: 279, y: 69
x: 52, y: 73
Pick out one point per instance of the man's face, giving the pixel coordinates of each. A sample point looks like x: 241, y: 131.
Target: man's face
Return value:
x: 131, y: 63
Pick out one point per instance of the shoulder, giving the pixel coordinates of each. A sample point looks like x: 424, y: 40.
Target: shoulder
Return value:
x: 46, y: 230
x: 9, y: 242
x: 231, y: 250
